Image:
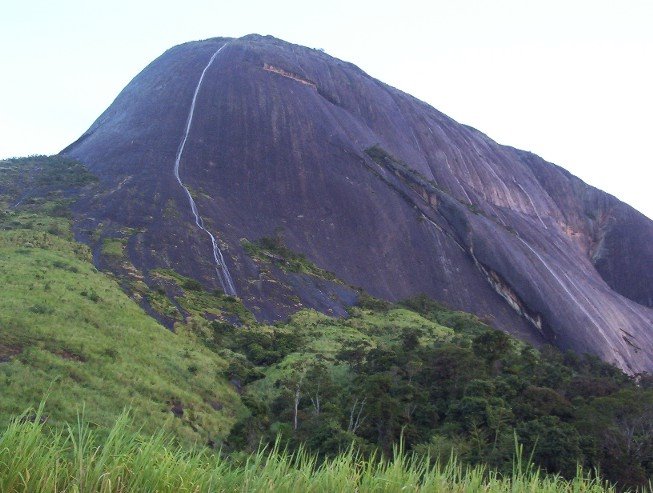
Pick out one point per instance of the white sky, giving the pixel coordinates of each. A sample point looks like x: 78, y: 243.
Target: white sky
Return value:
x: 569, y: 80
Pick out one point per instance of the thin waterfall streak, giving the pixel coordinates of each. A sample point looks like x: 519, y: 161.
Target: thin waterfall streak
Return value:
x: 446, y: 160
x: 531, y: 201
x: 564, y: 286
x: 220, y: 266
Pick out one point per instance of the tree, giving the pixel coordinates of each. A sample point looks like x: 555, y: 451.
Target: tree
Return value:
x: 492, y: 346
x: 555, y: 445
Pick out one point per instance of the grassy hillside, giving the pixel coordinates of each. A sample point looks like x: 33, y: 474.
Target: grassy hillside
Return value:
x: 70, y: 333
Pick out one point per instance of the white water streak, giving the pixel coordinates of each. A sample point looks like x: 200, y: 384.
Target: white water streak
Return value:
x: 446, y: 160
x: 220, y: 265
x: 564, y: 286
x: 531, y: 201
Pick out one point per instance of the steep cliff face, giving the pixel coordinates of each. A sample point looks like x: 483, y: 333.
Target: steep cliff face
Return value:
x: 369, y: 183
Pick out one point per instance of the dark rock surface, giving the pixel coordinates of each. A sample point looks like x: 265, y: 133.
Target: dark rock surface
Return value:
x: 370, y: 184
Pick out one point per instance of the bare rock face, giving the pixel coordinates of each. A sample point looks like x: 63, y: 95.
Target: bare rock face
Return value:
x: 369, y: 183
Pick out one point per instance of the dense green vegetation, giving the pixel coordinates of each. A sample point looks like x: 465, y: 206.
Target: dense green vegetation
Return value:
x: 445, y: 384
x: 337, y: 395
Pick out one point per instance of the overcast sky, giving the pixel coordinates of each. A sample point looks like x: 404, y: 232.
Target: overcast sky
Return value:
x: 569, y: 80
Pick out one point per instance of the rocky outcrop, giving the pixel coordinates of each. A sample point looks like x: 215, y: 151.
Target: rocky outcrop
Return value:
x: 371, y: 184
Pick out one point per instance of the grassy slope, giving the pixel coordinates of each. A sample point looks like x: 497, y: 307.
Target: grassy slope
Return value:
x: 70, y: 332
x: 81, y: 337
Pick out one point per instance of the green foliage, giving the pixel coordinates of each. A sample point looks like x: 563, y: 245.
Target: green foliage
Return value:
x: 202, y: 306
x: 192, y: 284
x: 393, y: 374
x: 274, y: 251
x: 459, y: 321
x: 113, y: 247
x: 50, y: 172
x: 367, y: 302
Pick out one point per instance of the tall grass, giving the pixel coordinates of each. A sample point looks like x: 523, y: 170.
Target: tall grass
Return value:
x: 35, y: 459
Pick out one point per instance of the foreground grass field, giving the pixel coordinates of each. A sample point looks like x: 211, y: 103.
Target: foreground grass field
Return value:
x: 76, y: 460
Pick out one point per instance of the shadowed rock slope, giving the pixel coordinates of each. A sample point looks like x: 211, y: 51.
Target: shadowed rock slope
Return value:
x: 368, y: 183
